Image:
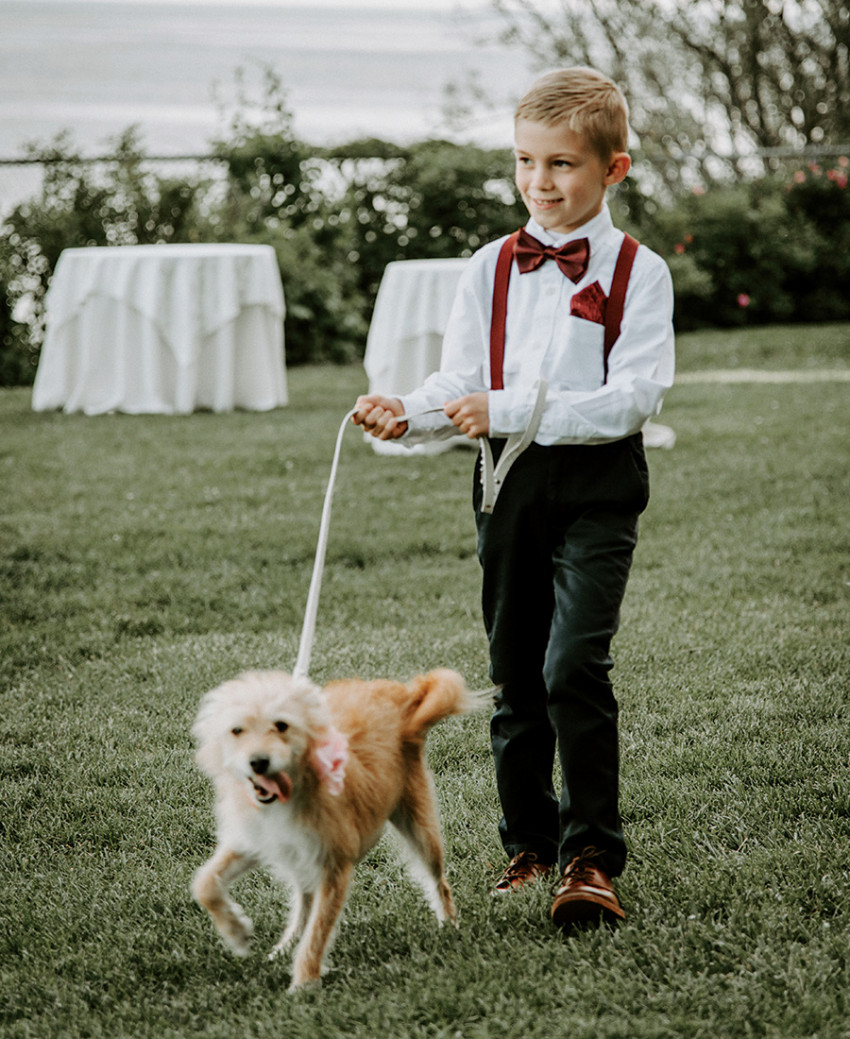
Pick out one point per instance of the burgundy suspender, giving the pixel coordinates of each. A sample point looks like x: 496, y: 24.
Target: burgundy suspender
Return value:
x: 500, y: 311
x: 613, y: 308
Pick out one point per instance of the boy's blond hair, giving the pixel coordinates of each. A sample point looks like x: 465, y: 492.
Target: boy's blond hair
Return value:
x: 589, y: 103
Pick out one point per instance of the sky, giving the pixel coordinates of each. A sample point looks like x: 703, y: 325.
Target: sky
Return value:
x: 350, y: 68
x: 428, y: 5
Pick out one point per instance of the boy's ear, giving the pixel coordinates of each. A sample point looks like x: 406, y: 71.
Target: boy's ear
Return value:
x: 618, y: 167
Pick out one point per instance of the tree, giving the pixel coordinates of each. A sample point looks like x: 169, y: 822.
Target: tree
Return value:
x: 712, y: 84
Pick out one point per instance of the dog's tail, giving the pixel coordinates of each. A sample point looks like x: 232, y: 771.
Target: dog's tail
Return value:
x: 438, y: 695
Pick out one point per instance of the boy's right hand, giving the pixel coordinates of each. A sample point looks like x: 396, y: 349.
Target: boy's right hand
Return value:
x: 377, y: 415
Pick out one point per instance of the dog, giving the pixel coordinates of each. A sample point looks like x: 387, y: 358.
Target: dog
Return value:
x: 305, y: 780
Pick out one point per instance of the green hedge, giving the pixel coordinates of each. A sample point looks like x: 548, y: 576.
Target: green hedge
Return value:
x: 770, y: 250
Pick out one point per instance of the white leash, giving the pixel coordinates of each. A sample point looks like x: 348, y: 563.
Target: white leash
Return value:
x: 305, y: 648
x: 492, y: 479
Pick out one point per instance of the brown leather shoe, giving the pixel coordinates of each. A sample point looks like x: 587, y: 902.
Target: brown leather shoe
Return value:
x: 586, y: 895
x: 522, y: 869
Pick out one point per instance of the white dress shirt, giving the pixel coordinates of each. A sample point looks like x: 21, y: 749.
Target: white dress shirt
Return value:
x: 544, y: 341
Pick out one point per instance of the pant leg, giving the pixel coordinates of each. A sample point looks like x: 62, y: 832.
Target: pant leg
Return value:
x: 556, y: 554
x: 591, y: 570
x: 598, y: 523
x: 517, y: 601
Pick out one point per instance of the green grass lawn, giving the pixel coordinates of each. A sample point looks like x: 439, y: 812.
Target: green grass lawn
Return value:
x: 144, y: 559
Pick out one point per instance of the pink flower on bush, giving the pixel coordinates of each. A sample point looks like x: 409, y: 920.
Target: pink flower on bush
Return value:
x: 800, y: 177
x: 743, y: 300
x: 837, y: 177
x: 679, y: 248
x: 843, y: 162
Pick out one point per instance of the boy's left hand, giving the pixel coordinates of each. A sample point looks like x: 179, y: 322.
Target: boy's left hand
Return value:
x: 471, y: 414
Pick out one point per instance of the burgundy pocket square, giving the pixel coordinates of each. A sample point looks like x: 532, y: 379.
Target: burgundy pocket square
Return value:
x: 589, y: 304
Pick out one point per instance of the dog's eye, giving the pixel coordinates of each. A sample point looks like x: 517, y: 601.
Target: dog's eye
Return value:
x: 236, y: 730
x: 281, y: 726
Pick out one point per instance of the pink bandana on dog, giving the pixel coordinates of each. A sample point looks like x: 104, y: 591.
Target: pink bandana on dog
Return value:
x: 329, y: 760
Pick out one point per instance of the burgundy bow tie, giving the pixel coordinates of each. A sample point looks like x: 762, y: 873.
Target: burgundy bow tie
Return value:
x: 571, y: 258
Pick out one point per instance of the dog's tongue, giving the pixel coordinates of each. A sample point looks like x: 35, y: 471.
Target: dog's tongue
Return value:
x: 279, y: 788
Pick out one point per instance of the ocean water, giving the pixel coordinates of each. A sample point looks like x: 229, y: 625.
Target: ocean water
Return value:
x: 96, y: 68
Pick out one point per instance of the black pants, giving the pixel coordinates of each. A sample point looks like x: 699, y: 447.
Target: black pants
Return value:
x: 556, y: 554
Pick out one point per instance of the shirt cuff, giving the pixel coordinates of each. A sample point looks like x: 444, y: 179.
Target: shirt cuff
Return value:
x: 509, y: 411
x: 431, y: 426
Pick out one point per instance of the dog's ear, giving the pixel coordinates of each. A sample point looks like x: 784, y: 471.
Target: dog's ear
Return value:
x: 315, y: 707
x: 327, y: 752
x: 207, y: 731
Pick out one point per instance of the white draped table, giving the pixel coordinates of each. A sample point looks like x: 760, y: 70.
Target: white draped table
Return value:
x: 163, y: 329
x: 406, y: 334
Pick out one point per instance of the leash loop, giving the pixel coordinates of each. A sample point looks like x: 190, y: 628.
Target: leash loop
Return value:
x: 493, y: 477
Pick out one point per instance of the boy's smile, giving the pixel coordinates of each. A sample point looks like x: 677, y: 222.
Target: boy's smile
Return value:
x: 561, y: 179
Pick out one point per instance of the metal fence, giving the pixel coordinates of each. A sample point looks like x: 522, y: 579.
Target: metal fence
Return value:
x: 22, y: 179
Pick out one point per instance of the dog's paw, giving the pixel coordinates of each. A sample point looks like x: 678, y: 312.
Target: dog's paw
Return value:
x: 449, y: 923
x: 236, y: 932
x: 278, y: 951
x: 299, y: 988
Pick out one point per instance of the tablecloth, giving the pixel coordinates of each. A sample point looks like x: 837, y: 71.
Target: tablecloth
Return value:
x: 163, y: 329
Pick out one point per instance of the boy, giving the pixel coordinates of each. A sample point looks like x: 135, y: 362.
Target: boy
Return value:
x: 556, y: 531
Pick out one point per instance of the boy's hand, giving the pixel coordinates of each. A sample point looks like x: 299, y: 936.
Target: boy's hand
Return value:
x: 471, y: 414
x: 377, y: 415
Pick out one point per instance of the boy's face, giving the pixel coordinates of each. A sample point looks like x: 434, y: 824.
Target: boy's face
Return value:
x: 562, y: 181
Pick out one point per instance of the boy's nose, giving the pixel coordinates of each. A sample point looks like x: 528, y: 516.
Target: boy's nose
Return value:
x: 540, y: 178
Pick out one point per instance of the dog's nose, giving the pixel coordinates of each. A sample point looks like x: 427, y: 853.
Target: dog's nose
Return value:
x: 260, y: 765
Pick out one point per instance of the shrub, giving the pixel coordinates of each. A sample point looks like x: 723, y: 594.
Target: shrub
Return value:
x: 80, y: 204
x: 334, y: 218
x: 434, y: 199
x: 819, y: 199
x: 753, y: 253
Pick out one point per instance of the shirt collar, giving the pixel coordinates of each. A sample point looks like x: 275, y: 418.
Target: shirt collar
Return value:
x: 595, y: 230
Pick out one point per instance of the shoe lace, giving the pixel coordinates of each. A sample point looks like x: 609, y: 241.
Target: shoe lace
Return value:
x: 518, y: 864
x: 582, y: 865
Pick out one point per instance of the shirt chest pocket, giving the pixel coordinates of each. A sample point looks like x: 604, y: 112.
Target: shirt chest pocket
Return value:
x: 564, y: 349
x: 575, y: 358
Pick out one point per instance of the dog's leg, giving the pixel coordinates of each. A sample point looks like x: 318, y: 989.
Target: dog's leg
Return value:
x: 324, y: 912
x: 210, y: 890
x: 416, y: 821
x: 298, y: 913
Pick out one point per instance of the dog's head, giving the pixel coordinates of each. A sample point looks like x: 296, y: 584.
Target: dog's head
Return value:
x: 265, y: 728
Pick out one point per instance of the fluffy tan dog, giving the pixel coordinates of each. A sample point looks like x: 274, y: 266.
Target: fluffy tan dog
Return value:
x: 305, y: 780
